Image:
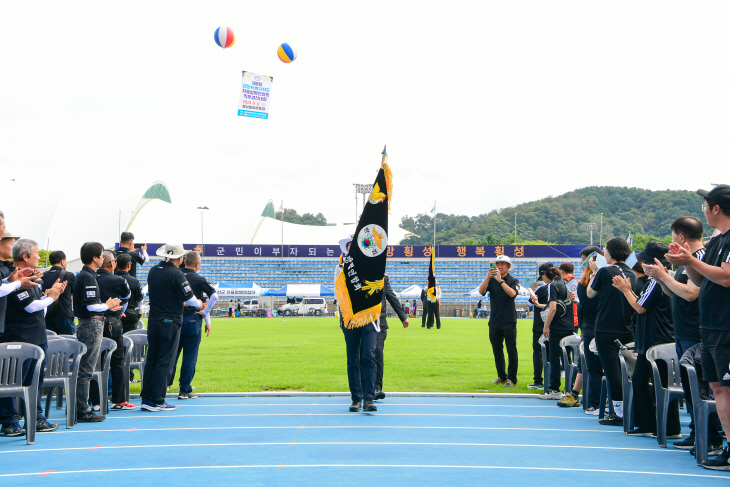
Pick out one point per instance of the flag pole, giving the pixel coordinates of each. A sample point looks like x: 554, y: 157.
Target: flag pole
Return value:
x: 434, y: 226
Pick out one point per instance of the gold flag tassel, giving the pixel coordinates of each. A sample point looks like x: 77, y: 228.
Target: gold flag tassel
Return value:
x: 364, y: 317
x: 388, y: 177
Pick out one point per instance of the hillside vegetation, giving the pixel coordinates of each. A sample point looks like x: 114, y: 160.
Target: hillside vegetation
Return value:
x: 563, y: 219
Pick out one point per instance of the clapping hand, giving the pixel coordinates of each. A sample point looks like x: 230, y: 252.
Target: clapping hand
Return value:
x: 114, y: 304
x: 657, y: 270
x: 678, y: 254
x: 622, y: 284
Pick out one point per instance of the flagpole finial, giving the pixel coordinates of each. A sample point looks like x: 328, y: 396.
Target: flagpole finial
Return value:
x: 384, y: 153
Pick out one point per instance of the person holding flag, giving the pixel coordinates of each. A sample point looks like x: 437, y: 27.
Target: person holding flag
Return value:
x: 359, y: 290
x: 433, y: 295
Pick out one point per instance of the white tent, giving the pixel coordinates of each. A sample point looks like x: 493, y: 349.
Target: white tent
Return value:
x: 297, y: 290
x: 410, y: 292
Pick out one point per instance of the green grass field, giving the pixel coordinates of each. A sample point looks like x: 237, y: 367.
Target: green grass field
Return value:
x: 308, y: 354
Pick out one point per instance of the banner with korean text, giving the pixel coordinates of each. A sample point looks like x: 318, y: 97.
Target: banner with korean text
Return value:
x: 255, y: 92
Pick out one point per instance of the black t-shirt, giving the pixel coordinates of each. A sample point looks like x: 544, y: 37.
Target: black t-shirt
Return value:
x: 168, y: 290
x: 614, y: 313
x: 686, y: 314
x: 6, y: 269
x: 558, y: 292
x: 111, y: 286
x: 201, y: 288
x: 86, y: 292
x: 714, y: 299
x: 137, y: 258
x: 587, y: 310
x: 542, y: 295
x: 21, y: 326
x: 654, y: 326
x: 64, y: 308
x: 134, y: 286
x: 502, y: 306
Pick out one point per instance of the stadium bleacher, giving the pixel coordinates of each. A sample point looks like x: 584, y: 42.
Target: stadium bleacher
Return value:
x: 456, y: 277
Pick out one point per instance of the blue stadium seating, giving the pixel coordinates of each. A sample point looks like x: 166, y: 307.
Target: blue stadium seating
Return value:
x: 456, y: 277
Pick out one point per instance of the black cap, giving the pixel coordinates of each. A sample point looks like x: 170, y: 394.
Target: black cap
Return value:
x: 543, y: 268
x: 654, y: 250
x: 720, y: 194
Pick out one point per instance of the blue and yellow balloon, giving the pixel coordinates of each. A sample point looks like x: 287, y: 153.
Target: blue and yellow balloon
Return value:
x: 286, y: 53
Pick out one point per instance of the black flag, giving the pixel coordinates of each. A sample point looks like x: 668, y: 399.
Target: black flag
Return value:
x: 359, y: 286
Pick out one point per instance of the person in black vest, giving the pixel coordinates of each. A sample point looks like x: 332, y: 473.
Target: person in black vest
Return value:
x: 25, y: 322
x: 426, y: 307
x: 539, y: 300
x: 89, y: 309
x: 112, y: 286
x: 139, y: 256
x: 653, y: 327
x: 434, y: 310
x: 60, y: 316
x: 558, y: 325
x: 390, y: 297
x: 190, y: 332
x: 12, y: 278
x: 132, y: 314
x: 686, y: 231
x: 613, y: 319
x: 168, y: 290
x: 502, y: 288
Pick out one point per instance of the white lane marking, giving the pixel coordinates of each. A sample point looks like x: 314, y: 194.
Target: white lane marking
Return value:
x: 621, y: 431
x: 448, y: 415
x: 339, y: 404
x: 475, y: 467
x: 316, y: 443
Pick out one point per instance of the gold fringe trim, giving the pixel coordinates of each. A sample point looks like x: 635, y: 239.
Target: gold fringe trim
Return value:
x: 388, y: 179
x: 351, y: 321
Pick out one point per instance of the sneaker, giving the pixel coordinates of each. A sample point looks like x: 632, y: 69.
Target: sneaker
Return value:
x: 166, y: 407
x: 536, y: 385
x: 678, y: 436
x: 509, y: 383
x: 569, y: 401
x: 97, y: 407
x: 43, y: 426
x: 611, y: 420
x: 499, y: 381
x: 187, y: 395
x: 686, y: 443
x: 134, y: 381
x: 149, y: 406
x: 550, y: 394
x: 355, y: 407
x: 90, y: 417
x: 379, y: 395
x: 720, y: 462
x: 123, y: 406
x: 13, y: 430
x: 369, y: 406
x: 591, y: 411
x: 639, y: 432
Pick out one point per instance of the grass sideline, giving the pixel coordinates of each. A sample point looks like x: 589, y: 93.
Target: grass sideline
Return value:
x: 308, y: 354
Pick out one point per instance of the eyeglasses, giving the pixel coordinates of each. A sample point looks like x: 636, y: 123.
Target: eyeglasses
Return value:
x: 704, y: 206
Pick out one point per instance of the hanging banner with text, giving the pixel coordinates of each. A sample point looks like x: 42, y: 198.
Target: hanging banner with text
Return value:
x: 255, y: 92
x: 487, y: 252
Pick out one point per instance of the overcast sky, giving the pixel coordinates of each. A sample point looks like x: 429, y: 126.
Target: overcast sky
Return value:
x: 482, y: 104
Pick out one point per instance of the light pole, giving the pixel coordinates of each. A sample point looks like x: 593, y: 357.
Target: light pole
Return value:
x: 590, y: 227
x: 202, y: 240
x: 364, y: 190
x: 601, y: 231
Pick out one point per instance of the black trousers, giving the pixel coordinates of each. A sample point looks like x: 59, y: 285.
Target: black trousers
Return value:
x: 537, y: 357
x: 645, y: 399
x: 424, y: 313
x: 162, y: 339
x: 556, y: 358
x: 361, y: 368
x: 608, y: 354
x: 116, y: 371
x: 499, y: 334
x: 379, y: 363
x: 434, y: 311
x: 593, y: 379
